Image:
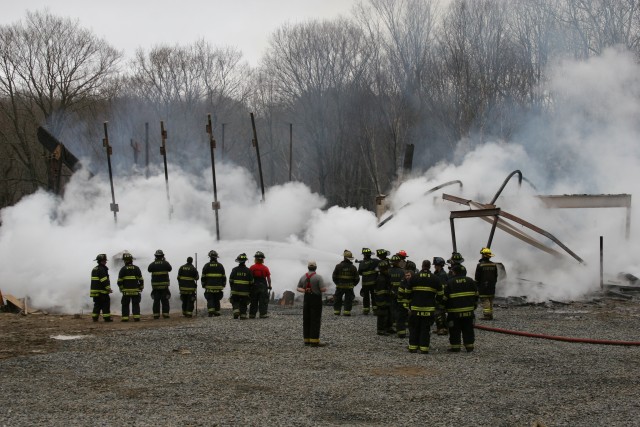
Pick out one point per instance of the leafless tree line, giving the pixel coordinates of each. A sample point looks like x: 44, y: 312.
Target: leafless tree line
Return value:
x: 355, y: 91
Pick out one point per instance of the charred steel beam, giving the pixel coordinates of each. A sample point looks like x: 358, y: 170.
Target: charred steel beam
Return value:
x: 255, y: 144
x: 520, y: 235
x: 212, y: 146
x: 407, y: 165
x: 105, y: 143
x: 578, y: 201
x: 472, y: 213
x: 163, y: 151
x: 436, y: 188
x: 493, y: 201
x: 51, y: 143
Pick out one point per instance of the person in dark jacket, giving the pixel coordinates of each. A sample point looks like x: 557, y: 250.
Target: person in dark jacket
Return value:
x: 367, y: 269
x: 261, y: 287
x: 460, y: 299
x: 131, y: 283
x: 100, y: 290
x: 441, y: 313
x: 345, y: 276
x: 312, y: 286
x: 424, y: 294
x: 214, y: 280
x: 403, y: 298
x: 241, y: 282
x: 398, y: 312
x: 188, y: 286
x: 160, y: 281
x: 383, y: 297
x: 486, y: 277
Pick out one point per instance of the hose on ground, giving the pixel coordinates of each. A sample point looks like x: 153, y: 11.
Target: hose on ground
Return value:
x: 557, y: 338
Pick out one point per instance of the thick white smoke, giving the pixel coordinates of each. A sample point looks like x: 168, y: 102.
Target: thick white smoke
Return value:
x: 48, y: 244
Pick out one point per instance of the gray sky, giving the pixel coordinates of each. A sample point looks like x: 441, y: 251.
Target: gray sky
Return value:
x: 129, y: 24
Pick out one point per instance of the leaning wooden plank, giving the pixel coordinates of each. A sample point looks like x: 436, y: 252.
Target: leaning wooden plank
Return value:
x: 15, y: 301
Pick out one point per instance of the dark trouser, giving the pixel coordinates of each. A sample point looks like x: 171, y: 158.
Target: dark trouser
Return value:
x: 101, y: 303
x: 368, y: 294
x: 213, y: 302
x: 400, y: 318
x: 384, y: 319
x: 441, y: 318
x: 239, y: 304
x: 134, y: 300
x: 311, y: 318
x: 259, y: 299
x: 348, y: 300
x: 461, y: 326
x: 419, y: 332
x: 188, y: 301
x: 160, y: 297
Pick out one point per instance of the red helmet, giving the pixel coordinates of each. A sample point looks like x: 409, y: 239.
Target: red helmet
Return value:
x: 402, y: 254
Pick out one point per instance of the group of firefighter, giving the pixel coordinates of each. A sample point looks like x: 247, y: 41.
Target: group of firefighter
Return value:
x: 401, y: 296
x: 405, y: 297
x: 250, y: 287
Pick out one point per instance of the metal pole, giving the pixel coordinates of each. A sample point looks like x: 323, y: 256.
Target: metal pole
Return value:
x: 222, y: 153
x: 453, y: 235
x: 163, y: 151
x: 493, y: 230
x: 105, y: 143
x: 216, y: 204
x: 290, y: 149
x: 601, y: 263
x: 146, y: 150
x: 196, y: 286
x: 255, y: 144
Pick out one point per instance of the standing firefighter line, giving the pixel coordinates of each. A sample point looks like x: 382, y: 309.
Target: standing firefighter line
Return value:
x: 486, y: 276
x: 345, y: 276
x: 188, y: 285
x: 214, y: 280
x: 241, y: 281
x: 160, y: 293
x: 100, y: 290
x: 131, y: 283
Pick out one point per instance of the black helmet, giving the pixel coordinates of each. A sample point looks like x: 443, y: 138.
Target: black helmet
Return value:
x: 410, y: 266
x: 126, y: 257
x: 159, y: 253
x: 242, y: 258
x: 101, y: 257
x: 382, y: 253
x: 395, y: 258
x: 366, y: 251
x: 456, y: 258
x: 259, y: 255
x: 438, y: 261
x: 213, y: 254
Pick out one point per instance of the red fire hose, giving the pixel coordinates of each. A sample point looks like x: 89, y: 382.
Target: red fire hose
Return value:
x: 557, y: 338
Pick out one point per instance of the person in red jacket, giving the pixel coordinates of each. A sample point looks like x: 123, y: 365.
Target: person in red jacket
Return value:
x: 261, y: 287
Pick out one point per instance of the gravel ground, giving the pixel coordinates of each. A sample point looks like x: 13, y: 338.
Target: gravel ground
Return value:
x: 221, y: 371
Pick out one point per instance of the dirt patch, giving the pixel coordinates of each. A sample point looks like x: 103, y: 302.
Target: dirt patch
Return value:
x: 22, y: 335
x: 403, y: 371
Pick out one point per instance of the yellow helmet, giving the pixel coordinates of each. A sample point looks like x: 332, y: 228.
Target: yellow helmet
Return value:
x: 486, y: 252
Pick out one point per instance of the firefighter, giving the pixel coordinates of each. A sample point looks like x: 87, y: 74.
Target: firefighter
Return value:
x: 367, y: 269
x: 100, y: 290
x: 424, y: 294
x: 261, y: 287
x: 160, y: 293
x: 403, y: 299
x: 383, y: 296
x: 345, y: 276
x: 312, y: 285
x: 382, y: 254
x: 131, y: 283
x: 402, y: 254
x: 456, y: 258
x: 460, y: 299
x: 214, y: 280
x: 486, y: 277
x: 441, y: 314
x: 188, y: 286
x: 395, y: 276
x: 240, y: 281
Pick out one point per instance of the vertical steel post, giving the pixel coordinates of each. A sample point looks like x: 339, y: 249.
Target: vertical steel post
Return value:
x: 453, y: 235
x: 222, y: 152
x: 493, y: 230
x: 255, y: 144
x: 163, y: 151
x: 601, y: 263
x: 212, y: 145
x: 105, y: 143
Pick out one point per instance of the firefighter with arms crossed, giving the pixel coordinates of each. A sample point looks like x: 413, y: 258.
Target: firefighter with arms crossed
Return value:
x: 131, y: 283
